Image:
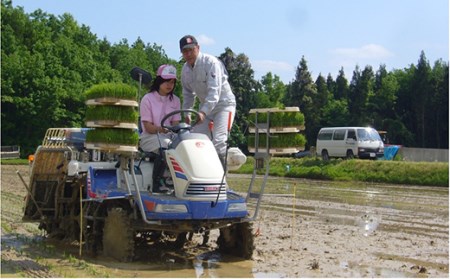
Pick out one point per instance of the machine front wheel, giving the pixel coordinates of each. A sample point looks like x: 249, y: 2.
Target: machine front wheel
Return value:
x: 237, y: 240
x: 118, y: 236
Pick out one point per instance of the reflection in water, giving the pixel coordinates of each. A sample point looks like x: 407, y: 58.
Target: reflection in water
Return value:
x: 368, y: 223
x: 216, y: 265
x: 206, y: 267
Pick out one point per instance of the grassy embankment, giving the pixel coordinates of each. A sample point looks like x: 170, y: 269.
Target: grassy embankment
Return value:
x: 395, y: 172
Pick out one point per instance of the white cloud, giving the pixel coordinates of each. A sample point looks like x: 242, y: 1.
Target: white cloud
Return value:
x: 370, y: 51
x: 370, y: 54
x: 271, y: 66
x: 205, y: 40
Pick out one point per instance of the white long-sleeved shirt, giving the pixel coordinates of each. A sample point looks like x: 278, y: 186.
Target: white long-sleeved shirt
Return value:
x: 208, y: 80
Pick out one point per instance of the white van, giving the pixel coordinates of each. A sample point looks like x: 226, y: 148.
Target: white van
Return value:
x: 349, y: 142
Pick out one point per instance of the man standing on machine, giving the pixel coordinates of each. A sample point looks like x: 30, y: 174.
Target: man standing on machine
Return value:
x: 204, y: 76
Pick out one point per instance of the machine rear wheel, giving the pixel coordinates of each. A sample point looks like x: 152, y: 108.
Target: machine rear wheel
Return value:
x: 118, y: 236
x: 181, y: 240
x: 237, y: 240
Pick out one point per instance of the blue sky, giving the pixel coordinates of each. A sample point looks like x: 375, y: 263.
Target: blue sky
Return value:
x: 275, y: 35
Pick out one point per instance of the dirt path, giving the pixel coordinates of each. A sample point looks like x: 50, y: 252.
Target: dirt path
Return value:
x: 338, y: 230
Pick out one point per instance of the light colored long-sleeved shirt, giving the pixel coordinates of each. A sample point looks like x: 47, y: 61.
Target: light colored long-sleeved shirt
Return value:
x: 154, y: 107
x: 208, y: 80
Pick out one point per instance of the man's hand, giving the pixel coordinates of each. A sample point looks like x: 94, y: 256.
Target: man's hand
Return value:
x: 201, y: 117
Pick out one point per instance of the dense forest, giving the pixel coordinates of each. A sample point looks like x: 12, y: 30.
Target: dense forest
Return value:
x: 48, y: 62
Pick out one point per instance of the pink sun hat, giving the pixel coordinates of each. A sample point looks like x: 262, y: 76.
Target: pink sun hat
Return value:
x: 167, y: 72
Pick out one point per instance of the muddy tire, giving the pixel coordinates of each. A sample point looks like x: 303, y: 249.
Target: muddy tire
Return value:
x: 237, y: 240
x: 118, y: 236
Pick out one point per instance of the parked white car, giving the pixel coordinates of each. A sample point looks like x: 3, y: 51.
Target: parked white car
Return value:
x: 349, y: 142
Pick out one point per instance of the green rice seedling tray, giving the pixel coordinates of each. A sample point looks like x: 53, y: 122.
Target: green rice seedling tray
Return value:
x: 108, y: 101
x: 112, y: 139
x: 116, y: 148
x: 278, y: 151
x: 111, y: 92
x: 110, y: 124
x: 112, y: 117
x: 287, y: 120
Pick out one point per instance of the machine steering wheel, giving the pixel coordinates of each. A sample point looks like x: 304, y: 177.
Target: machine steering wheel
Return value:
x: 180, y: 126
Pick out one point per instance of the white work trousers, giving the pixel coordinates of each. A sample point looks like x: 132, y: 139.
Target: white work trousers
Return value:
x: 151, y: 143
x: 219, y: 135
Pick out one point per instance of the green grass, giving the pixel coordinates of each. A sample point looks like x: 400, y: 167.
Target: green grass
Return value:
x: 14, y: 162
x: 395, y: 172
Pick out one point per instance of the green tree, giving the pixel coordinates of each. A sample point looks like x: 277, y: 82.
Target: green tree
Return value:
x: 320, y: 104
x: 48, y: 63
x: 331, y: 86
x: 437, y: 109
x: 381, y: 104
x: 335, y: 111
x: 342, y: 87
x: 302, y: 93
x: 335, y: 114
x: 403, y: 109
x: 323, y: 94
x: 42, y: 85
x: 272, y: 92
x: 361, y: 87
x: 420, y: 96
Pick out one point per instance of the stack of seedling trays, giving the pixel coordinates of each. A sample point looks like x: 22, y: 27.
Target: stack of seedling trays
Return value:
x: 285, y: 128
x: 112, y: 115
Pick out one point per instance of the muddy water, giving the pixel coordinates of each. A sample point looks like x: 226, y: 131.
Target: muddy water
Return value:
x: 193, y: 261
x: 305, y: 229
x: 203, y: 265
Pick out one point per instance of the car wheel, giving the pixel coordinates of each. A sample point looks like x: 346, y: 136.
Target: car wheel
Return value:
x: 325, y: 156
x: 350, y: 155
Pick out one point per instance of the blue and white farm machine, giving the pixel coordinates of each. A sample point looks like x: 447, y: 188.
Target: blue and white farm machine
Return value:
x: 103, y: 197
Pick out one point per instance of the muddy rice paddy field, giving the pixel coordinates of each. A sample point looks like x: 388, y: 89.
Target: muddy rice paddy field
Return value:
x: 305, y: 229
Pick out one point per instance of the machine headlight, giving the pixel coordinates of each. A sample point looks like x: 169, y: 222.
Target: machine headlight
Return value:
x: 171, y: 208
x: 233, y: 207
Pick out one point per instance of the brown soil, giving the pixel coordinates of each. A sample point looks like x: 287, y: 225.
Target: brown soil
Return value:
x: 328, y: 230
